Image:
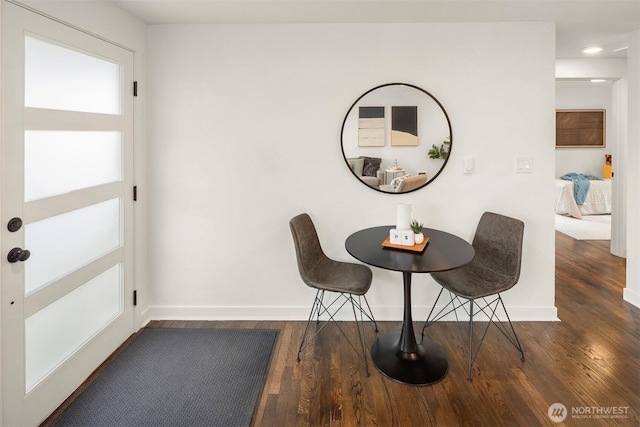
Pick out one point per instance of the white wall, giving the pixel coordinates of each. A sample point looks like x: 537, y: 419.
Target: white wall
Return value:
x: 244, y: 127
x: 591, y: 68
x: 620, y: 106
x: 581, y: 96
x: 632, y: 291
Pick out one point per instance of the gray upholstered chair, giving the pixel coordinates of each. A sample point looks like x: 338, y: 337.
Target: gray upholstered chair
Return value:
x: 348, y: 283
x: 495, y: 268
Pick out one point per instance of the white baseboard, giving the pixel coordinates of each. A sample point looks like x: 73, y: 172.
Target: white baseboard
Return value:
x: 143, y: 318
x: 294, y: 313
x: 631, y: 296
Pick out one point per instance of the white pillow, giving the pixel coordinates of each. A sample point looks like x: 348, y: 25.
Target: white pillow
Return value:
x: 396, y: 181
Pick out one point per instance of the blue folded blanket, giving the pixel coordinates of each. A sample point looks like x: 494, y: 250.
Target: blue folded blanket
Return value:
x: 581, y: 184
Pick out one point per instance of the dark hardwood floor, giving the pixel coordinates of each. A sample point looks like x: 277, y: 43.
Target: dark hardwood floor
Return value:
x: 589, y: 362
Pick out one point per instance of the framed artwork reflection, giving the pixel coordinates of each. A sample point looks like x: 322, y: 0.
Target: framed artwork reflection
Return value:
x: 371, y: 127
x: 404, y: 126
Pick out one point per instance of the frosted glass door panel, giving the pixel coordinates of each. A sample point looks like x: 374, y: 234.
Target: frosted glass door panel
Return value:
x: 63, y: 243
x: 59, y: 78
x: 57, y: 162
x: 70, y: 160
x: 58, y: 330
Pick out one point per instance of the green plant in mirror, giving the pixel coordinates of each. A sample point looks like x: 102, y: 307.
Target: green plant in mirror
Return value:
x: 416, y: 226
x: 440, y: 152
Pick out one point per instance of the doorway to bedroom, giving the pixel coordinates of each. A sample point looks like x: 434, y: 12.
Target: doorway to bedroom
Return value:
x: 583, y: 183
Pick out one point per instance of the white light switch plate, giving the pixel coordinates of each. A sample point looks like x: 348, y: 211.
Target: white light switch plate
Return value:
x: 524, y: 164
x: 468, y: 165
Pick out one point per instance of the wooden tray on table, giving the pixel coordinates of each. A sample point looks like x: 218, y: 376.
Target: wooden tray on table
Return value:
x: 415, y: 248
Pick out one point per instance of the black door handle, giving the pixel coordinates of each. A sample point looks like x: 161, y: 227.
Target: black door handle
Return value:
x: 18, y: 254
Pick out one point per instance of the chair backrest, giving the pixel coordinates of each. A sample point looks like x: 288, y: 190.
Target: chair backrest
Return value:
x: 498, y: 244
x: 307, y: 245
x: 411, y: 183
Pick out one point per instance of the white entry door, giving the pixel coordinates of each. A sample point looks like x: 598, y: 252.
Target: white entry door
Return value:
x: 66, y: 209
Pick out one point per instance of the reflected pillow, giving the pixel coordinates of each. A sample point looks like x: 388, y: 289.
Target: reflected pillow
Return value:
x: 356, y: 165
x: 396, y: 181
x: 371, y: 166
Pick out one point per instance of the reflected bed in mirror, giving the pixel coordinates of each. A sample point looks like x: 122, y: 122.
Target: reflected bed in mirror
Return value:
x: 393, y: 133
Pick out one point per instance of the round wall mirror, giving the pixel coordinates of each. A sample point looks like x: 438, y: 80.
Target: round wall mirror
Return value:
x: 396, y: 138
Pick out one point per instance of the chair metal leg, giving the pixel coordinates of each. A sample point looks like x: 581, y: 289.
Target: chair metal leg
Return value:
x: 315, y: 308
x: 517, y: 342
x: 513, y: 337
x: 427, y: 323
x: 360, y: 337
x: 470, y: 360
x: 319, y: 308
x: 487, y: 308
x: 321, y: 294
x: 491, y: 316
x: 370, y: 315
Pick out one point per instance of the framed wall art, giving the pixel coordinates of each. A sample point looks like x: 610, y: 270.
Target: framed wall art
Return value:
x: 580, y: 128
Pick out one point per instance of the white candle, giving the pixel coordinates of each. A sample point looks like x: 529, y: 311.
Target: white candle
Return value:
x: 403, y: 218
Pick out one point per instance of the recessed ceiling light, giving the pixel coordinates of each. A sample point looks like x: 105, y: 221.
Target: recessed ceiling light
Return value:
x: 597, y: 80
x: 591, y: 50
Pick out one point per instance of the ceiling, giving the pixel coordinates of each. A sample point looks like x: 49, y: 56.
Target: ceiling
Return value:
x: 579, y: 23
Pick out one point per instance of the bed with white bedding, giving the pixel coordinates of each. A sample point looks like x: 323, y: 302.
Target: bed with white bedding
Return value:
x: 597, y: 201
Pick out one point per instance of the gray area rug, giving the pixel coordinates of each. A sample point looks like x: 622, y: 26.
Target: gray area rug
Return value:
x: 179, y: 377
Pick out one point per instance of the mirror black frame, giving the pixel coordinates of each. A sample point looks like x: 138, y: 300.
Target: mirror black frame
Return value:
x: 446, y: 159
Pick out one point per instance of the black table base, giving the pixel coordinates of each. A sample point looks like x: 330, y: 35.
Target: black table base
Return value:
x: 403, y: 356
x: 427, y: 365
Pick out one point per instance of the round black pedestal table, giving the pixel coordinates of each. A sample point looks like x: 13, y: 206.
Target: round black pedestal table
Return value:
x: 400, y: 355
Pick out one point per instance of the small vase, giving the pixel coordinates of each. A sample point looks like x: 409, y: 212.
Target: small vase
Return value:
x: 418, y: 238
